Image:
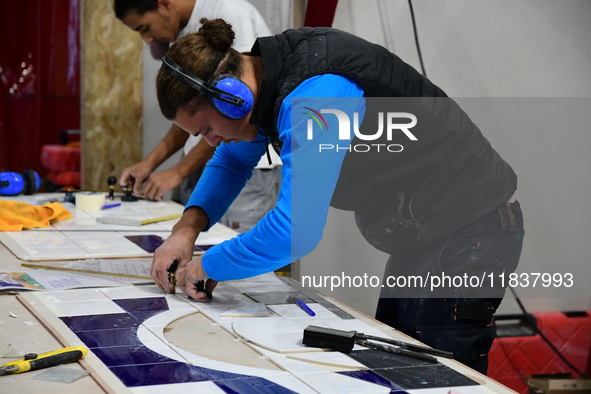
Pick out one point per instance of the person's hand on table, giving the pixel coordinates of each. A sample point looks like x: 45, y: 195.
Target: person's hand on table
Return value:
x: 178, y: 247
x: 136, y: 175
x: 187, y: 277
x: 160, y: 182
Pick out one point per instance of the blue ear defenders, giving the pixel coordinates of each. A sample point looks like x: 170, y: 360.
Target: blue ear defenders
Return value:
x: 226, y: 92
x: 12, y: 183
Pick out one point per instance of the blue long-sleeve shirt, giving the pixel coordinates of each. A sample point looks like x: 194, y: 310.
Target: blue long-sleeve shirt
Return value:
x: 309, y: 176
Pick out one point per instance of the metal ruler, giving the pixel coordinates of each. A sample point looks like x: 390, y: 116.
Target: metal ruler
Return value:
x: 83, y: 271
x: 318, y: 298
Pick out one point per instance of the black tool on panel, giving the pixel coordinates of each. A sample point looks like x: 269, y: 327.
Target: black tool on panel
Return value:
x: 406, y: 346
x: 111, y: 181
x: 344, y: 341
x: 199, y: 286
x: 396, y: 350
x: 172, y: 275
x: 128, y: 197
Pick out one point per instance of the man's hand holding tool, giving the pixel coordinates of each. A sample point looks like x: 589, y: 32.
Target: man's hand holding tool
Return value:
x: 194, y: 287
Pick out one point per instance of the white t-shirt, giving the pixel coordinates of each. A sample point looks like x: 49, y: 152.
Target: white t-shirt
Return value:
x: 248, y: 24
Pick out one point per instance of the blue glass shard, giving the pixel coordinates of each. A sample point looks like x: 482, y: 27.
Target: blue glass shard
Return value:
x: 373, y: 377
x: 143, y: 304
x: 253, y: 385
x: 106, y: 338
x: 100, y: 322
x: 129, y: 355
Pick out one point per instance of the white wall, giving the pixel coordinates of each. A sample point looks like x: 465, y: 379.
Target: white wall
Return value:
x: 481, y: 48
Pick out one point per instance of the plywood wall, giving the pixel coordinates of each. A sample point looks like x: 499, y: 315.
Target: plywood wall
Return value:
x: 111, y: 94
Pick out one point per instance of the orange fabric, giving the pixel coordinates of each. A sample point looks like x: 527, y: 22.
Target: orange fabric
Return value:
x: 17, y: 216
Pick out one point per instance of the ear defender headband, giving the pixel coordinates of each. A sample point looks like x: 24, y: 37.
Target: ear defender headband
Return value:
x: 227, y: 93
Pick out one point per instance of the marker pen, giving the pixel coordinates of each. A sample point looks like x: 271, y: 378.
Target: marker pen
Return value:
x: 110, y: 206
x: 305, y: 307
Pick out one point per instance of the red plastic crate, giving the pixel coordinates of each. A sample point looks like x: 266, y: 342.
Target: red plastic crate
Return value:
x: 60, y: 158
x: 65, y: 178
x: 512, y: 360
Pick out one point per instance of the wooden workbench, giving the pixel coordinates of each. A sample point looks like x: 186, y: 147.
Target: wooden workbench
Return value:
x: 33, y: 329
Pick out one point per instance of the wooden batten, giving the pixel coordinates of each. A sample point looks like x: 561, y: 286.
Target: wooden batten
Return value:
x: 111, y: 94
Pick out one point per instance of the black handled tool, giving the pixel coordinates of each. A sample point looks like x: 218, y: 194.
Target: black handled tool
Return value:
x: 128, y: 197
x: 111, y: 181
x: 33, y: 361
x: 405, y: 345
x: 199, y: 286
x: 344, y: 341
x: 396, y: 350
x: 172, y: 275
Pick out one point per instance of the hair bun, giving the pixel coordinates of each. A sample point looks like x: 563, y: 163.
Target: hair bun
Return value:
x: 218, y: 33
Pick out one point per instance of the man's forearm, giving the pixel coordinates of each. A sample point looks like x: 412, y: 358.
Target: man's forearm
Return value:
x: 193, y: 221
x: 195, y: 159
x: 173, y: 141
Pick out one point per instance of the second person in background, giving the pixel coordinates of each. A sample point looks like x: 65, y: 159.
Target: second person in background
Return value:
x: 160, y: 22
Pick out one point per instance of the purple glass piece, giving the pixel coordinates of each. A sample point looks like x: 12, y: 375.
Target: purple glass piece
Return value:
x: 106, y: 338
x: 143, y: 304
x: 129, y: 355
x: 423, y: 377
x: 100, y: 322
x: 372, y: 377
x: 172, y: 372
x: 136, y: 365
x: 252, y: 385
x: 374, y: 359
x: 151, y: 242
x: 408, y: 373
x: 151, y: 374
x: 142, y: 316
x: 147, y: 242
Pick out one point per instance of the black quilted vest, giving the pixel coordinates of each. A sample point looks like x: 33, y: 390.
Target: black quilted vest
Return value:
x: 448, y: 179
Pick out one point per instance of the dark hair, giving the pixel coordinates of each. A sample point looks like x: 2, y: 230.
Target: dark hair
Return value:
x: 140, y: 7
x: 206, y: 54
